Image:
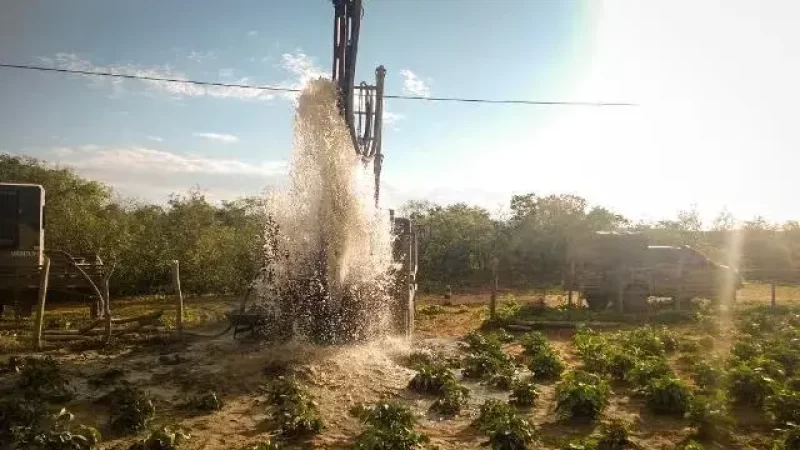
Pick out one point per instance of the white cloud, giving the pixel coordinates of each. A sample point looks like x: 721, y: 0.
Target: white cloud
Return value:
x: 252, y: 33
x: 414, y: 85
x: 197, y: 56
x: 390, y: 119
x: 155, y: 138
x: 71, y: 61
x: 154, y: 174
x: 224, y: 138
x: 304, y: 70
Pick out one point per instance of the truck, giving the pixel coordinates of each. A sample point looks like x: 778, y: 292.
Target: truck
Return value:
x: 623, y: 269
x: 22, y: 255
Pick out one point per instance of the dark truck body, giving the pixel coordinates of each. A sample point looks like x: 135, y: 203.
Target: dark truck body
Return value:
x: 22, y: 252
x: 622, y: 265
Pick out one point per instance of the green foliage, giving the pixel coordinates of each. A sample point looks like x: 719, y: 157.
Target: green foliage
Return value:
x: 593, y: 349
x: 524, y: 393
x: 789, y: 439
x: 451, y: 399
x: 431, y: 378
x: 793, y: 384
x: 388, y: 426
x: 622, y: 364
x: 534, y: 342
x: 20, y: 413
x: 613, y: 436
x: 649, y: 341
x: 130, y: 409
x: 693, y: 445
x: 503, y: 381
x: 783, y: 407
x: 265, y: 445
x: 750, y: 386
x: 54, y: 433
x: 667, y: 395
x: 581, y: 395
x: 647, y: 369
x: 710, y: 417
x: 294, y: 410
x: 207, y: 402
x: 486, y: 357
x: 164, y: 438
x: 706, y: 376
x: 506, y: 430
x: 546, y: 365
x: 42, y: 378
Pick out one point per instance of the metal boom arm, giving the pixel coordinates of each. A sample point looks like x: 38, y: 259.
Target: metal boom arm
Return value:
x: 362, y: 105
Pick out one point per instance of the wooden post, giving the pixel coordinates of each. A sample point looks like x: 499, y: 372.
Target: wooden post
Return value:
x: 38, y: 325
x: 571, y: 285
x: 493, y: 296
x: 107, y: 308
x: 772, y: 293
x: 176, y: 281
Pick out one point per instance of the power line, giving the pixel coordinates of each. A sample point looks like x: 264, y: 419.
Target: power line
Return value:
x: 285, y: 89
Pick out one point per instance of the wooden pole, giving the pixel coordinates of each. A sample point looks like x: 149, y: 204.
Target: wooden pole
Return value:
x: 772, y: 293
x: 493, y: 296
x: 176, y: 281
x: 571, y: 285
x: 43, y: 280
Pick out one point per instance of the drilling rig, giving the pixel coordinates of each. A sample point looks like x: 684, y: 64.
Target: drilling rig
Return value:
x: 361, y: 107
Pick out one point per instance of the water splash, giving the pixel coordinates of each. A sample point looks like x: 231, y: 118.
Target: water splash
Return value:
x: 328, y: 248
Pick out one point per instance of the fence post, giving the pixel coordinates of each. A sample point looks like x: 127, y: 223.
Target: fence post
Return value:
x: 38, y: 325
x: 772, y: 293
x: 571, y: 285
x: 176, y: 282
x: 493, y: 296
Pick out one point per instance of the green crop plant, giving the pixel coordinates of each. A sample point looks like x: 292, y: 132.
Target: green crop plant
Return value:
x: 750, y: 386
x: 581, y: 395
x: 55, y: 434
x: 294, y: 409
x: 710, y: 417
x: 503, y: 380
x: 42, y: 378
x: 593, y: 349
x: 546, y: 365
x: 789, y: 439
x: 506, y: 430
x: 451, y: 399
x: 206, y: 402
x: 667, y: 395
x: 534, y: 342
x: 707, y: 376
x: 165, y: 438
x: 524, y: 393
x: 485, y: 365
x: 131, y: 409
x: 783, y: 407
x: 431, y: 378
x: 388, y: 426
x: 649, y: 368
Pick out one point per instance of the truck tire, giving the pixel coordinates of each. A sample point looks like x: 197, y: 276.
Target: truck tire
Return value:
x: 597, y: 302
x: 635, y: 298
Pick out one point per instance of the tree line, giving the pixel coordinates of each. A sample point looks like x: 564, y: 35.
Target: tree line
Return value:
x: 220, y: 245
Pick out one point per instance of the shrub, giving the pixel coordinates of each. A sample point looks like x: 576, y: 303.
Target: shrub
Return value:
x: 647, y: 369
x: 749, y: 386
x: 783, y: 407
x: 165, y: 438
x: 790, y: 438
x: 130, y: 409
x: 746, y: 350
x: 793, y: 384
x: 42, y: 378
x: 667, y: 395
x: 546, y: 365
x: 581, y: 395
x: 503, y: 380
x: 620, y: 364
x: 207, y: 402
x: 389, y: 426
x: 478, y: 343
x: 613, y: 436
x: 692, y: 445
x: 506, y: 430
x: 534, y: 342
x: 418, y: 359
x: 649, y: 341
x: 431, y: 379
x: 706, y: 376
x: 57, y: 434
x: 524, y: 393
x: 451, y: 399
x: 20, y: 413
x: 486, y: 365
x: 294, y: 409
x: 710, y: 417
x: 592, y: 348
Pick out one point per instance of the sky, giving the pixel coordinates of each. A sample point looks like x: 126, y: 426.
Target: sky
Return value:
x: 715, y: 83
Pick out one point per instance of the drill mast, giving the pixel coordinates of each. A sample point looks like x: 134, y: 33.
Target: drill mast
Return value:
x: 362, y: 105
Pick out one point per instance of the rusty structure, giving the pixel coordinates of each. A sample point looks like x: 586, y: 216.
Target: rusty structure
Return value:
x: 361, y: 107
